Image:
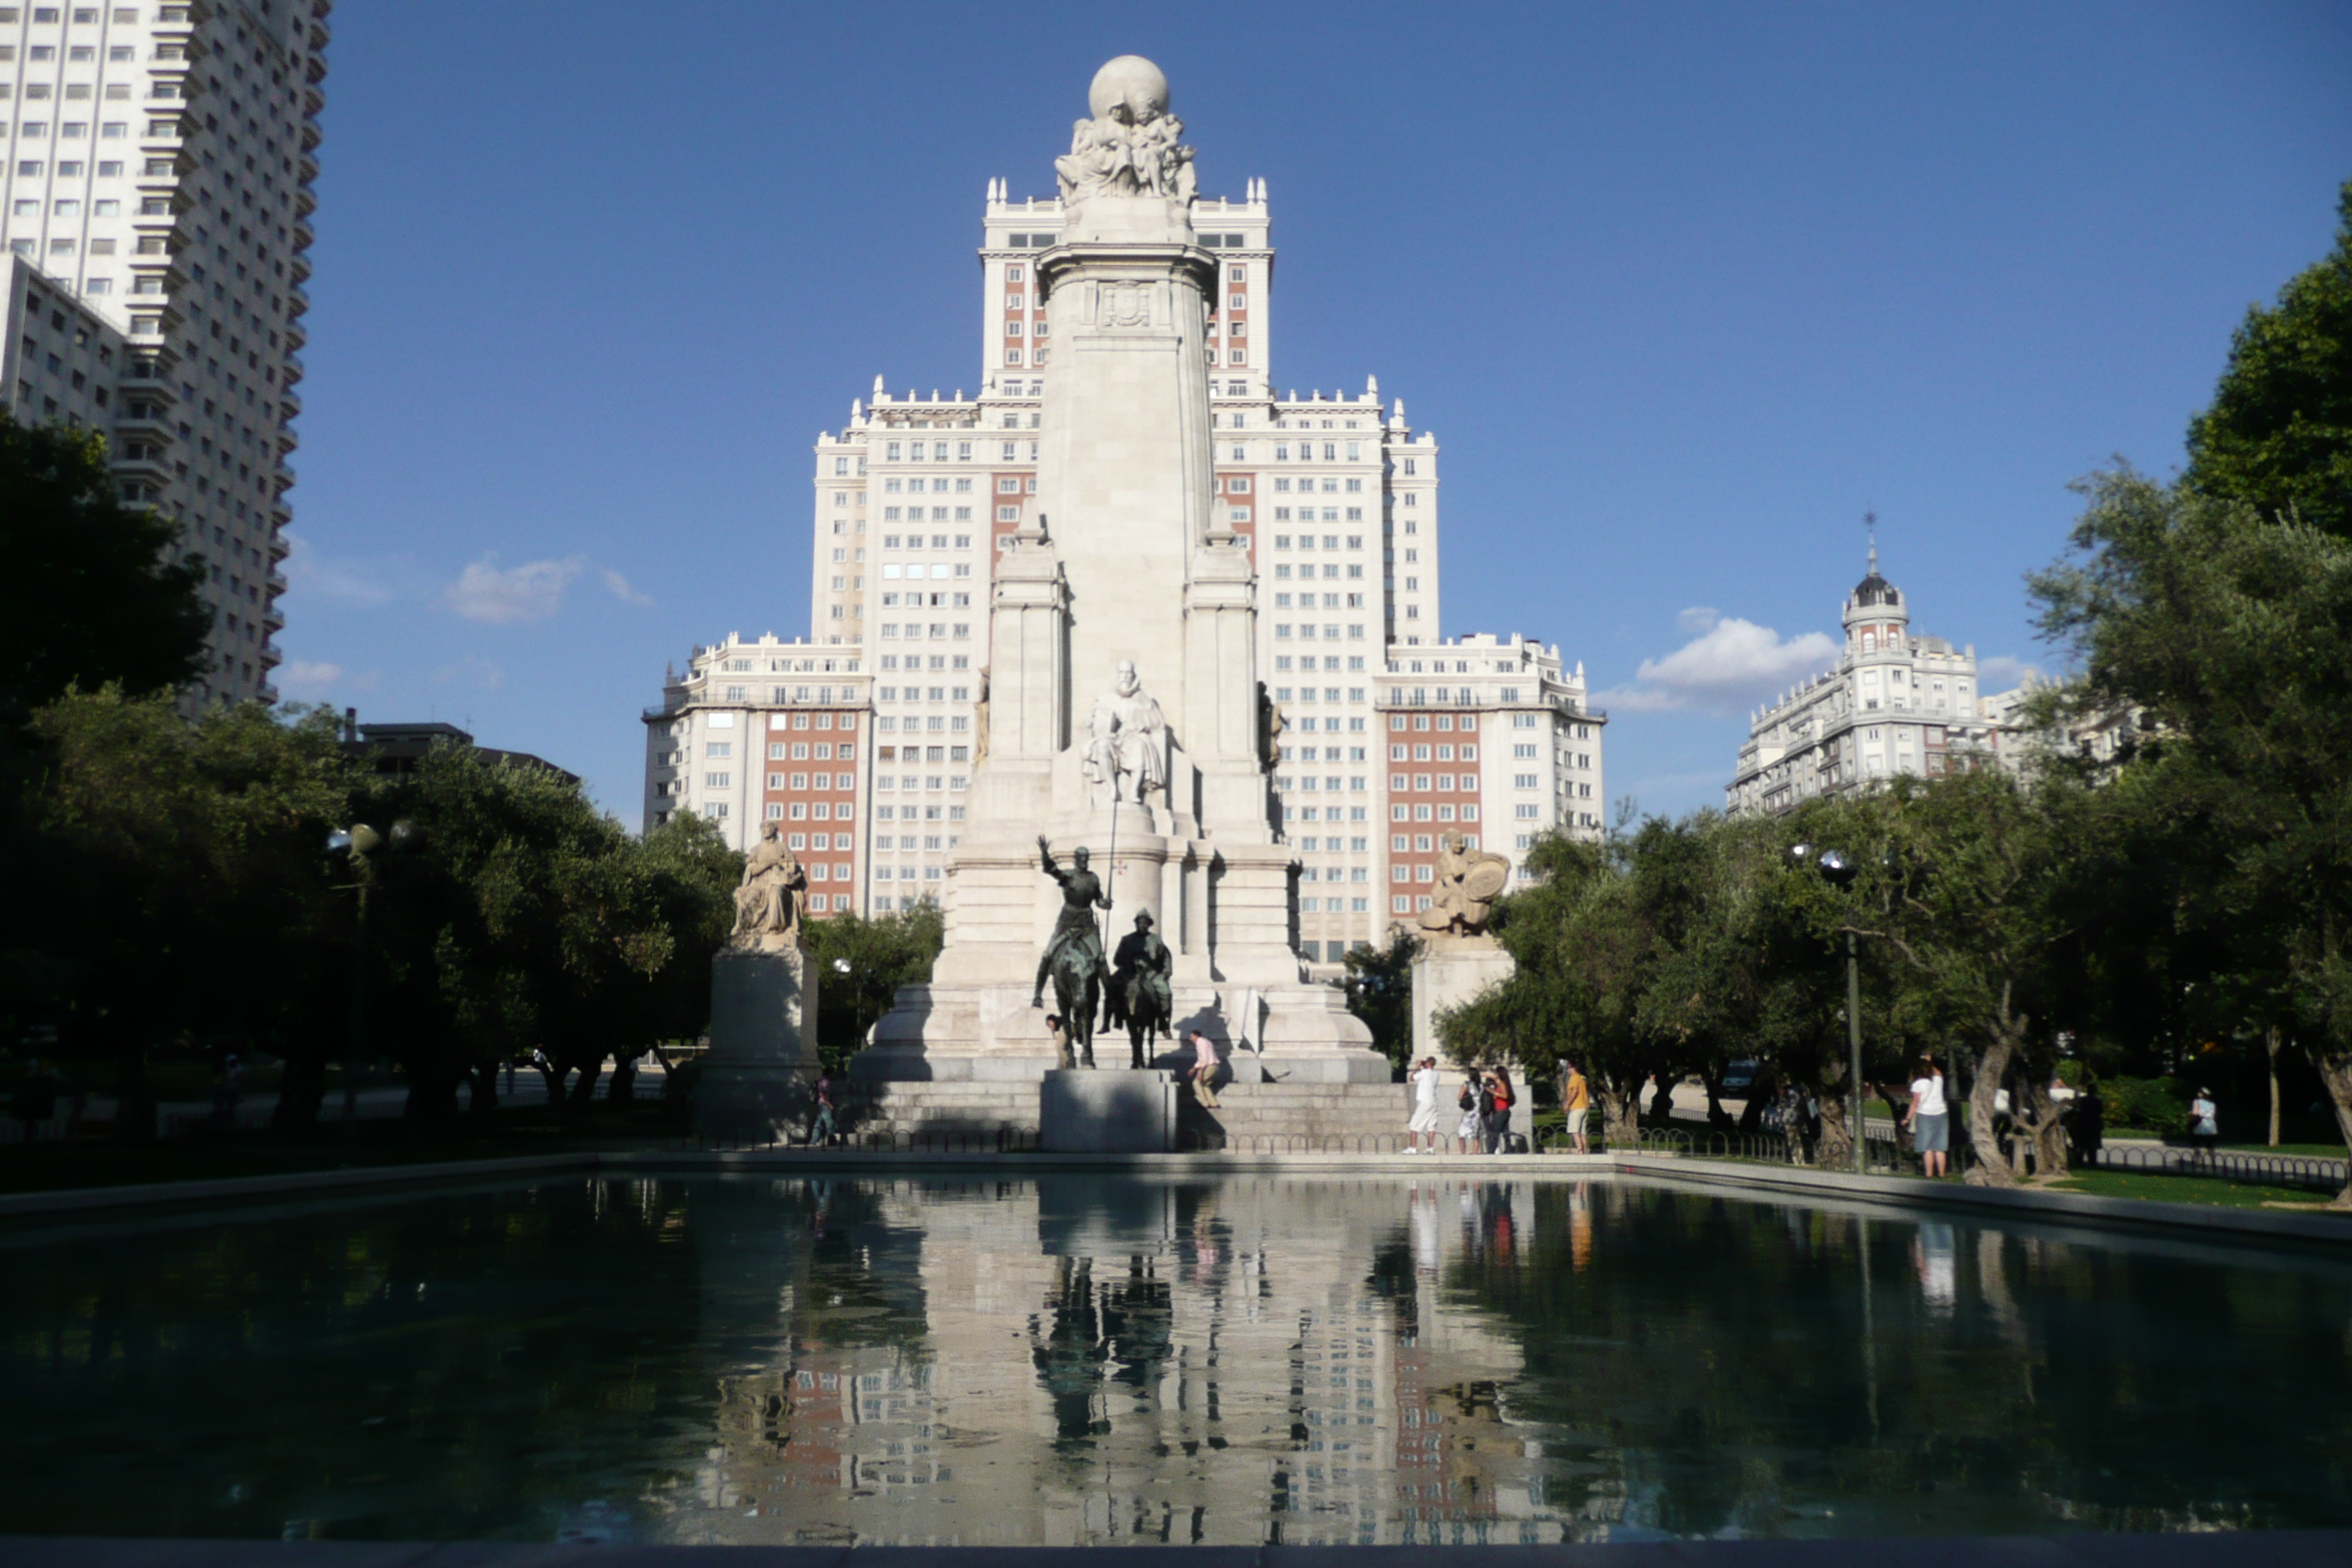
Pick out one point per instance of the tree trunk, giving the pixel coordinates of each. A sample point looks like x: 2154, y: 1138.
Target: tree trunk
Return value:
x: 2271, y: 1046
x: 2336, y: 1072
x: 1620, y: 1119
x: 1835, y: 1149
x: 584, y: 1090
x: 301, y: 1086
x: 2006, y: 1031
x: 485, y: 1101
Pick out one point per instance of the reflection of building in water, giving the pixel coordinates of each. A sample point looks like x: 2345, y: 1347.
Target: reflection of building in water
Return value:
x: 1104, y: 1361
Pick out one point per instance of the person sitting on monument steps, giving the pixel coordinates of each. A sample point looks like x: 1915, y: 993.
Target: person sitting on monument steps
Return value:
x: 1074, y: 928
x: 1139, y: 994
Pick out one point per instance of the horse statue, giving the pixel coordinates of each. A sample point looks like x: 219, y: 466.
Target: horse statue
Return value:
x: 1139, y: 997
x: 1078, y: 996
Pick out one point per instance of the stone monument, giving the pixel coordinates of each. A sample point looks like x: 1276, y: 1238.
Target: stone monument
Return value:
x: 1125, y: 712
x: 1459, y: 960
x: 756, y: 1079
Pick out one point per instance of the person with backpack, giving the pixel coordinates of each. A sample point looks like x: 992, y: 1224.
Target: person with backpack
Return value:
x: 1496, y: 1110
x: 1468, y: 1131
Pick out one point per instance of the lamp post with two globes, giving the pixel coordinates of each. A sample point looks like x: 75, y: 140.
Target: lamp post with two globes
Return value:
x: 1839, y: 872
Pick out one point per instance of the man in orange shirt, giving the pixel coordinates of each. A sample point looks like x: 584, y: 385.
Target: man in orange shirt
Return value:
x: 1576, y: 1101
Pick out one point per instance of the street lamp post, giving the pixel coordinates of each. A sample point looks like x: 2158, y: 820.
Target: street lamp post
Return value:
x: 1838, y: 872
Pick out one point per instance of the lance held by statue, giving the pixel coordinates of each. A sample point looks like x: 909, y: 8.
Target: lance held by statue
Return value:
x: 1139, y: 999
x: 1074, y: 954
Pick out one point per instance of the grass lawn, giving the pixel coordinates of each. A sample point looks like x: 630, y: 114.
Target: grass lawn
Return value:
x: 2206, y: 1190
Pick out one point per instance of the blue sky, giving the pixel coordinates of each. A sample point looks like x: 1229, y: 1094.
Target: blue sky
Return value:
x: 1681, y: 289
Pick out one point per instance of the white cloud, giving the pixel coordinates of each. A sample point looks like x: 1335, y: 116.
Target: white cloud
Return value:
x: 2002, y: 673
x: 1729, y: 665
x: 510, y: 595
x: 310, y: 573
x: 307, y: 678
x: 622, y: 591
x: 480, y: 672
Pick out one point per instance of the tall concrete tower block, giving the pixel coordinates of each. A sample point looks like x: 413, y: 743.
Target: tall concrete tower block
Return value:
x: 1124, y: 713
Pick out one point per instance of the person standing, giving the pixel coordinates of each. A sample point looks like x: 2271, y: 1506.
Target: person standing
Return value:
x: 821, y: 1128
x: 1426, y: 1085
x: 1498, y: 1110
x: 1471, y: 1102
x: 1929, y: 1119
x: 2204, y: 1123
x: 1575, y: 1104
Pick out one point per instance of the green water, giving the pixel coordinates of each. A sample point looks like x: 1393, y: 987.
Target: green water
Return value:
x: 1097, y: 1359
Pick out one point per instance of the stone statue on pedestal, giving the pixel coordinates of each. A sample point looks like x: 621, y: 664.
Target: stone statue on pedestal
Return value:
x: 1130, y: 147
x: 1468, y: 883
x: 772, y: 902
x: 1074, y: 954
x: 1126, y: 756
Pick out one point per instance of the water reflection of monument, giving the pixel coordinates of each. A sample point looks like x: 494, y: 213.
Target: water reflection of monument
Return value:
x: 1105, y: 1363
x: 1125, y: 711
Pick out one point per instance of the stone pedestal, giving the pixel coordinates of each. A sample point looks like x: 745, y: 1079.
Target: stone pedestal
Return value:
x: 757, y: 1079
x: 1448, y: 972
x: 1083, y: 1112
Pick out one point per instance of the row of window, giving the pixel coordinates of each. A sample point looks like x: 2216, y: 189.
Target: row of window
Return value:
x: 1420, y: 783
x: 87, y: 16
x: 1282, y: 663
x: 1469, y: 812
x: 824, y: 781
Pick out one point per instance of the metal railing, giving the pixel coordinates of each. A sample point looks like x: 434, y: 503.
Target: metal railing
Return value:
x: 2308, y: 1172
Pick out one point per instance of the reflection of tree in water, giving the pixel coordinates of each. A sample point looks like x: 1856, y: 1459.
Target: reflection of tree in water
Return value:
x: 1091, y: 1337
x: 428, y: 1369
x: 1715, y: 1365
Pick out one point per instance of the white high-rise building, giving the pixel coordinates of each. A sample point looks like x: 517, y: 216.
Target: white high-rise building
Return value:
x: 156, y: 200
x: 917, y: 497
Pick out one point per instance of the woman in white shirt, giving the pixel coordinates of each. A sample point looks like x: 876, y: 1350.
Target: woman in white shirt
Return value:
x: 1929, y: 1118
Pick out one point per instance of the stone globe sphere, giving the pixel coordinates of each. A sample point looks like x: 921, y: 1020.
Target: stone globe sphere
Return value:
x: 1132, y: 83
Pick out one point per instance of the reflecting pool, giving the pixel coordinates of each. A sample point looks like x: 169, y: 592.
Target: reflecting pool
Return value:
x: 1095, y: 1360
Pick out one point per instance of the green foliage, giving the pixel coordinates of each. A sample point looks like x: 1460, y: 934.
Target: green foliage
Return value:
x: 2157, y: 1104
x: 2230, y: 632
x: 187, y: 901
x: 169, y: 875
x: 1378, y: 985
x: 524, y: 918
x: 861, y: 963
x: 2279, y: 434
x: 88, y: 597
